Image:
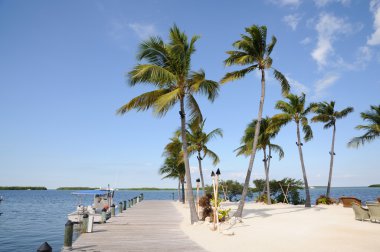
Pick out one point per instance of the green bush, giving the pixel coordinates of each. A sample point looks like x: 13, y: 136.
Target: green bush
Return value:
x: 324, y: 200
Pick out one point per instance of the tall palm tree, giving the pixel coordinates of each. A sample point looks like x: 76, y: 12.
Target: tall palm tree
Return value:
x: 198, y: 140
x: 295, y: 110
x: 327, y: 114
x: 264, y: 143
x: 372, y: 128
x: 174, y: 166
x: 253, y: 52
x: 168, y: 70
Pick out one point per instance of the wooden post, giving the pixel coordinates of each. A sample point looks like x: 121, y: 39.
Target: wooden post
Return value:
x: 45, y: 247
x: 113, y: 210
x: 138, y: 199
x: 129, y: 203
x: 120, y: 207
x: 104, y: 215
x: 125, y: 205
x: 142, y: 196
x: 68, y: 239
x: 84, y: 223
x: 90, y: 224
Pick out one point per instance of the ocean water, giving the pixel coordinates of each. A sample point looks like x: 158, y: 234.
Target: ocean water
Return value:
x: 30, y: 218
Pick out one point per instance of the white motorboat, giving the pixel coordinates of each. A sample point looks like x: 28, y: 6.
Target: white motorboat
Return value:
x: 103, y: 199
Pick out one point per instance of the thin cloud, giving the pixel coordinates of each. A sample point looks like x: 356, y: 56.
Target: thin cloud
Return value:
x: 297, y: 86
x: 375, y: 9
x: 321, y: 85
x: 305, y: 41
x: 143, y: 31
x: 323, y: 3
x: 292, y: 20
x: 328, y: 28
x: 287, y: 3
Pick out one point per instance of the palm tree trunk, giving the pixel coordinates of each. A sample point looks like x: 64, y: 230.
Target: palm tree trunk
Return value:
x: 190, y: 196
x: 183, y: 191
x: 307, y: 192
x: 267, y: 175
x: 239, y: 211
x: 179, y: 190
x: 331, y: 163
x: 201, y: 172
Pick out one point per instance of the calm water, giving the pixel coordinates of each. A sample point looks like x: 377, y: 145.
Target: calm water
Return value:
x: 32, y: 217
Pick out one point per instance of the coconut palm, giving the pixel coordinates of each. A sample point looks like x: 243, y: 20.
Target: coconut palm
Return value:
x: 174, y: 166
x: 198, y: 140
x: 327, y: 114
x: 253, y: 52
x: 372, y: 128
x: 168, y: 71
x: 264, y: 143
x: 295, y: 110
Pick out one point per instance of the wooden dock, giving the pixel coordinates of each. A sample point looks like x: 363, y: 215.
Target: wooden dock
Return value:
x: 151, y: 225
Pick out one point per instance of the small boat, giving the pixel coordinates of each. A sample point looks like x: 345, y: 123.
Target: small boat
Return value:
x: 103, y: 199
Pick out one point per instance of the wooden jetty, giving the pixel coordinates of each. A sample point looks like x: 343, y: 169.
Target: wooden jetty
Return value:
x: 151, y: 225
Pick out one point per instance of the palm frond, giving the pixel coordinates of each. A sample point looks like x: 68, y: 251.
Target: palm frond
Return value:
x: 285, y: 87
x: 213, y: 156
x: 235, y: 75
x: 277, y: 149
x: 193, y: 107
x: 148, y: 73
x: 143, y: 101
x: 199, y: 84
x: 166, y: 101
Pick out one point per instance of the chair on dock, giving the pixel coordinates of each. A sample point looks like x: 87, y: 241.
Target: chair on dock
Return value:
x: 374, y: 211
x: 347, y: 201
x: 361, y: 213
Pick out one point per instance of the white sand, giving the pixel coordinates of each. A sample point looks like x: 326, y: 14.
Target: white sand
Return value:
x: 283, y: 227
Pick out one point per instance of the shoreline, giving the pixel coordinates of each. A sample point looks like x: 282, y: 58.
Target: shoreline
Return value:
x: 286, y: 228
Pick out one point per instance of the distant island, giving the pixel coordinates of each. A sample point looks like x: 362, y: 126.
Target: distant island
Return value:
x: 375, y: 185
x: 147, y: 189
x: 23, y: 188
x: 77, y: 188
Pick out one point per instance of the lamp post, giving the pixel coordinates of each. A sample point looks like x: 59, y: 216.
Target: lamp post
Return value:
x: 214, y: 186
x: 198, y: 181
x: 217, y: 196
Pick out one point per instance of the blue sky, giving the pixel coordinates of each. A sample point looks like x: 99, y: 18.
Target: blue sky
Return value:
x: 62, y: 77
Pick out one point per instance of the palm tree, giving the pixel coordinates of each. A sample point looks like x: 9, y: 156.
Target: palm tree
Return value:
x: 373, y: 128
x: 295, y: 110
x: 327, y: 114
x: 198, y: 140
x: 253, y: 51
x: 263, y: 143
x: 168, y: 70
x: 173, y: 166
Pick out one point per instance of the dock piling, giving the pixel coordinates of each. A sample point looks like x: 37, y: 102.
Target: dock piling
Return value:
x: 104, y: 216
x: 120, y: 207
x: 68, y: 239
x: 45, y: 247
x: 125, y: 205
x: 113, y: 210
x: 84, y: 224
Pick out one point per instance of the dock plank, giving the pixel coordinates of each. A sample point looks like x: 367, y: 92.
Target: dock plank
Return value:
x: 151, y: 225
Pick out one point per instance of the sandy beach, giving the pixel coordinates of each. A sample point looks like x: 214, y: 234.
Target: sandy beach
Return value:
x: 282, y: 227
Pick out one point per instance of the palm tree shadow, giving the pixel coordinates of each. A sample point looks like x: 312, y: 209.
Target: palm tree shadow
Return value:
x: 266, y: 212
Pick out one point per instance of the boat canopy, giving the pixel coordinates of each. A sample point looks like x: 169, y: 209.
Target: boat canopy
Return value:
x: 91, y: 192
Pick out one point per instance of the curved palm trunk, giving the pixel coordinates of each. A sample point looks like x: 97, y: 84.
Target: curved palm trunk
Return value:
x: 307, y: 192
x: 201, y: 172
x: 331, y: 163
x: 239, y: 211
x: 190, y: 196
x: 266, y: 167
